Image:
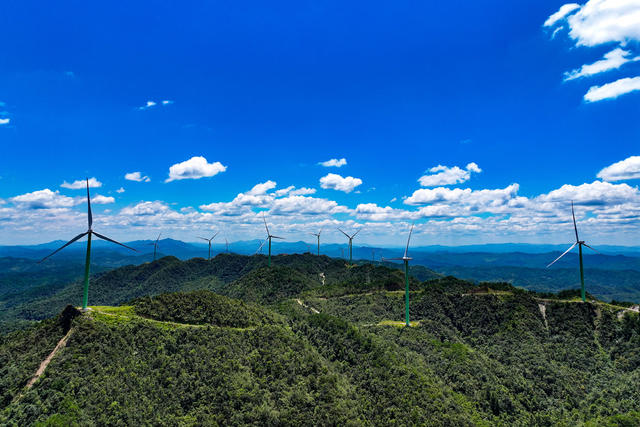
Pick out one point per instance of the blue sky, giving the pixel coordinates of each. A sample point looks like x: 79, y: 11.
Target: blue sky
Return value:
x: 264, y: 92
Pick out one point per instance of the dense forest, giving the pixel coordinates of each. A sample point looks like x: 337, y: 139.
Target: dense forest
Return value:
x: 313, y: 341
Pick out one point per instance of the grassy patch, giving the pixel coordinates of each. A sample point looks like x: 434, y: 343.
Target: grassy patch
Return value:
x: 398, y: 324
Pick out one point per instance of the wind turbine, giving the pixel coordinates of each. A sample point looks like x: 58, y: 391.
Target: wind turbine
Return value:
x: 580, y: 244
x: 209, y: 240
x: 350, y: 244
x: 87, y: 233
x: 406, y: 260
x: 227, y: 243
x: 269, y: 237
x: 260, y: 247
x: 155, y: 246
x: 318, y: 236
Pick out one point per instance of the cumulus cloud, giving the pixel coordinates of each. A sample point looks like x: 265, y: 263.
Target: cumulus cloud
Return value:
x: 561, y: 13
x: 120, y: 190
x: 612, y: 60
x: 43, y: 199
x: 471, y: 201
x: 145, y: 208
x: 444, y: 175
x: 81, y: 183
x: 623, y: 170
x: 304, y: 191
x: 334, y: 163
x: 4, y: 121
x: 262, y: 188
x: 605, y: 21
x: 136, y: 176
x: 102, y: 200
x: 195, y: 168
x: 612, y: 90
x: 600, y: 22
x: 336, y: 182
x: 597, y: 193
x: 302, y: 205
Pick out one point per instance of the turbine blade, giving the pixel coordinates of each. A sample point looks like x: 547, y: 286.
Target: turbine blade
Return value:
x: 112, y: 241
x: 344, y: 233
x: 393, y: 259
x: 276, y: 237
x: 565, y: 252
x: 575, y: 227
x: 408, y: 240
x: 90, y: 215
x: 354, y: 234
x: 203, y: 238
x: 584, y: 244
x: 214, y: 236
x: 79, y: 236
x: 260, y: 247
x: 265, y: 223
x: 158, y: 237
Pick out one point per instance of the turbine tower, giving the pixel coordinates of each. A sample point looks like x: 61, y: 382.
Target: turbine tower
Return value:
x: 580, y: 244
x: 269, y: 237
x: 350, y: 244
x: 227, y: 243
x: 318, y: 236
x: 155, y: 246
x: 209, y: 240
x: 406, y: 260
x: 87, y: 233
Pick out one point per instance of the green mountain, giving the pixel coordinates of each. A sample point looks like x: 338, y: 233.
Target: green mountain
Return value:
x: 312, y: 341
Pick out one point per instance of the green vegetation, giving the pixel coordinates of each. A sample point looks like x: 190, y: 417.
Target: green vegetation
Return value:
x: 197, y: 343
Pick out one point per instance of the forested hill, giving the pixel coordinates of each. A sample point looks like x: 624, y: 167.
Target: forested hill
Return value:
x: 46, y: 294
x: 310, y: 341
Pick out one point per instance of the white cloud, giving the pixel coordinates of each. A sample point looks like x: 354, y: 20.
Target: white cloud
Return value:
x: 597, y: 193
x: 120, y: 190
x: 195, y: 168
x: 373, y: 212
x: 81, y: 183
x: 145, y: 209
x: 337, y: 182
x: 443, y: 175
x: 102, y: 200
x: 612, y: 60
x: 604, y: 21
x: 612, y: 90
x: 262, y: 188
x: 561, y: 13
x: 44, y: 199
x: 600, y: 22
x: 334, y: 163
x: 136, y: 176
x: 5, y: 121
x: 301, y: 205
x: 626, y: 169
x: 304, y: 191
x: 148, y: 105
x: 151, y: 104
x: 475, y: 201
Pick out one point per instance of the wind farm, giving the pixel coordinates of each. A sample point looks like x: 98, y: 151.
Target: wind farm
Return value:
x: 360, y: 211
